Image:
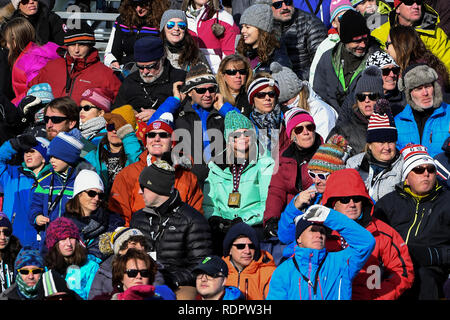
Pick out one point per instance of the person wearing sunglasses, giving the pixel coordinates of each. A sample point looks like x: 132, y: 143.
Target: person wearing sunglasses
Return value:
x: 233, y: 77
x: 183, y: 240
x: 423, y: 18
x: 380, y: 165
x: 426, y: 236
x: 9, y: 249
x: 88, y: 208
x: 180, y: 47
x: 136, y: 19
x: 357, y: 109
x: 249, y: 267
x: 211, y: 279
x: 67, y: 255
x: 212, y: 28
x: 237, y: 189
x: 425, y: 118
x: 258, y: 42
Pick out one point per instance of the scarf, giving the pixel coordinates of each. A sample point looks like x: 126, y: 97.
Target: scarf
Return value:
x: 270, y: 121
x: 25, y: 290
x: 91, y: 127
x: 191, y: 11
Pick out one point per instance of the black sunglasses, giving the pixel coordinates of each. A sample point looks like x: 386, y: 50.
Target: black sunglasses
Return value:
x: 212, y: 89
x: 26, y: 272
x: 310, y: 127
x: 262, y: 95
x: 233, y: 72
x: 149, y: 67
x: 421, y: 169
x: 279, y: 4
x: 24, y: 2
x: 356, y: 199
x: 241, y: 246
x: 162, y: 135
x: 55, y: 119
x: 87, y: 107
x: 387, y: 71
x: 362, y: 96
x: 321, y: 176
x: 411, y: 2
x: 7, y: 232
x: 132, y: 273
x: 141, y: 4
x: 110, y: 127
x: 92, y: 194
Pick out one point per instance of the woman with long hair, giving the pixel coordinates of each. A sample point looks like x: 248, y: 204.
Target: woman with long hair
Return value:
x: 9, y: 249
x: 233, y: 77
x: 137, y: 19
x: 406, y: 47
x: 258, y: 42
x: 180, y: 47
x: 213, y: 28
x: 26, y: 56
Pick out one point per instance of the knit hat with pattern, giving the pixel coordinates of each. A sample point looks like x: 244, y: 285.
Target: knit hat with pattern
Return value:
x: 330, y: 156
x: 66, y: 146
x: 235, y: 121
x: 198, y: 75
x: 381, y: 127
x: 414, y: 155
x: 380, y: 59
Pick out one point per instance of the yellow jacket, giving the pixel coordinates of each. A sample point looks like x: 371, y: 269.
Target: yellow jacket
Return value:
x: 434, y: 37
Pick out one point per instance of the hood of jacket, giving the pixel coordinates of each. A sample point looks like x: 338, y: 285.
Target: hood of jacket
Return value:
x: 428, y: 23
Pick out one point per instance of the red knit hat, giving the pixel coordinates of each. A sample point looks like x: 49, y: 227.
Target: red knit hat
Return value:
x: 60, y: 229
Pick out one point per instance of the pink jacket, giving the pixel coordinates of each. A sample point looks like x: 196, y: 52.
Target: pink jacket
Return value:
x: 213, y: 48
x: 28, y: 65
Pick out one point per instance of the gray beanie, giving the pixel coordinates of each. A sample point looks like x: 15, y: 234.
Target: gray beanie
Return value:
x: 415, y: 76
x: 259, y: 16
x: 290, y: 84
x: 170, y: 14
x: 370, y: 81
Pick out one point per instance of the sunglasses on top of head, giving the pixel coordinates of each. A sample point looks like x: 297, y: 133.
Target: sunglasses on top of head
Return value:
x: 279, y: 4
x: 181, y: 24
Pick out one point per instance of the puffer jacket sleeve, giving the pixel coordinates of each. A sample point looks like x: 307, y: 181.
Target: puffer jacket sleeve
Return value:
x: 133, y: 148
x: 6, y: 153
x: 286, y: 225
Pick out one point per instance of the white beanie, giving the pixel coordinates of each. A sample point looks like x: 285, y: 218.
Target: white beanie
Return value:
x: 414, y: 155
x: 85, y: 180
x: 122, y: 234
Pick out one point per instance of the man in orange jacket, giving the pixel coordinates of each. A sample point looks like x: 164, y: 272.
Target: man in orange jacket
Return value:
x: 125, y: 197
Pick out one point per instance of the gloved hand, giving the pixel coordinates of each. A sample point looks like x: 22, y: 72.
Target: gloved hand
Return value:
x: 428, y: 256
x: 271, y: 228
x: 116, y: 119
x: 316, y: 213
x: 30, y: 105
x: 221, y: 225
x: 23, y: 142
x: 139, y: 292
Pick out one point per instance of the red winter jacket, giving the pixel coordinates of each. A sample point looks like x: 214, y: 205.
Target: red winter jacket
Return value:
x: 85, y: 73
x: 389, y: 270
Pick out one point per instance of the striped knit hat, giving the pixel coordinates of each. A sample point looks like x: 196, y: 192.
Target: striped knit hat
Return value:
x: 414, y: 155
x: 295, y: 116
x: 330, y: 156
x: 198, y: 75
x: 82, y: 35
x: 381, y: 127
x: 259, y: 85
x: 66, y: 146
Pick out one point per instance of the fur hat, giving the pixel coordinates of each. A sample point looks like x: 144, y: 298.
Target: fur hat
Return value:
x: 290, y: 85
x: 415, y: 76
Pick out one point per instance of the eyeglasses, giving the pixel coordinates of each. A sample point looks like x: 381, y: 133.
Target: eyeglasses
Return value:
x: 26, y: 272
x: 241, y: 246
x: 362, y: 96
x: 171, y: 24
x: 7, y: 232
x: 55, y: 119
x: 421, y: 169
x: 356, y: 199
x: 237, y: 135
x: 87, y: 107
x: 233, y: 72
x: 411, y: 2
x: 262, y: 95
x: 310, y: 127
x: 279, y: 4
x: 321, y: 176
x: 93, y: 194
x: 203, y: 90
x: 132, y: 273
x: 162, y: 135
x: 387, y: 71
x: 149, y: 67
x: 387, y: 44
x: 209, y: 276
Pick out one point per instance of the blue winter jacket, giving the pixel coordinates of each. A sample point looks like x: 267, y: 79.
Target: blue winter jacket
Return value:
x: 233, y: 293
x: 338, y: 269
x: 435, y: 132
x: 18, y: 184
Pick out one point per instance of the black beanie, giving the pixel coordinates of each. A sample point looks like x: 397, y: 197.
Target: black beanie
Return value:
x: 84, y: 34
x: 241, y: 229
x: 353, y: 24
x: 159, y: 178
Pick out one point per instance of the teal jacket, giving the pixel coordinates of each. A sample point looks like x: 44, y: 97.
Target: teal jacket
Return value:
x: 79, y: 279
x: 253, y: 187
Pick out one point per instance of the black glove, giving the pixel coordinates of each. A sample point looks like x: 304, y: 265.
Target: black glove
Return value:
x: 428, y: 256
x: 221, y: 225
x: 271, y: 228
x: 29, y: 106
x: 23, y: 142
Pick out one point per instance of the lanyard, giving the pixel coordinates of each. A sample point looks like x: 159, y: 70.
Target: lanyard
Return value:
x: 51, y: 204
x: 317, y: 8
x: 237, y: 175
x: 316, y: 280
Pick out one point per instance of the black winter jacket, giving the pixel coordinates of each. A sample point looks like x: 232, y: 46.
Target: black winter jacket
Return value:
x: 424, y: 225
x: 180, y: 236
x: 136, y: 92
